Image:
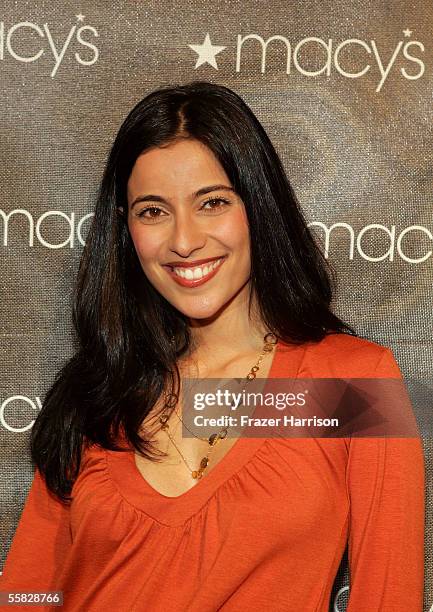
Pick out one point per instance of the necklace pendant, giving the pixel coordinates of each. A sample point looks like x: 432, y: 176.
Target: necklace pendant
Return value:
x: 163, y: 420
x: 194, y: 474
x: 212, y: 439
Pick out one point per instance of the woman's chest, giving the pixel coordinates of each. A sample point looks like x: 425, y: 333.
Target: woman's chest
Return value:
x: 283, y: 491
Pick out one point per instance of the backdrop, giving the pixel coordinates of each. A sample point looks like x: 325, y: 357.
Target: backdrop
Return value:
x: 345, y: 93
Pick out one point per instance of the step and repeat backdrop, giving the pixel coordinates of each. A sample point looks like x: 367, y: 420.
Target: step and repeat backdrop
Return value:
x: 344, y: 90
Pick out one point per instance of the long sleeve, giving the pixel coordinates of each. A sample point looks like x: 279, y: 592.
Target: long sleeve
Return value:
x: 385, y: 483
x: 40, y: 544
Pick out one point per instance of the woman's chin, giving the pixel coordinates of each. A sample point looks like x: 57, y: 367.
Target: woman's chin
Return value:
x: 200, y: 312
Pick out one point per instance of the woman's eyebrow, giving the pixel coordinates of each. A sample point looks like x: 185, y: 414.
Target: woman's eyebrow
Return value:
x: 155, y: 198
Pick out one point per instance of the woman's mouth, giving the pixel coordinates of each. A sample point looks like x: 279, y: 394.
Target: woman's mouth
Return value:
x: 192, y: 276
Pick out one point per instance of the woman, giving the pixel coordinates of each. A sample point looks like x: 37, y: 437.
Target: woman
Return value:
x: 199, y: 264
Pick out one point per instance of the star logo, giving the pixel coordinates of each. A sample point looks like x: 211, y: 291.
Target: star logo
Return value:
x: 80, y: 17
x: 206, y: 52
x: 407, y: 32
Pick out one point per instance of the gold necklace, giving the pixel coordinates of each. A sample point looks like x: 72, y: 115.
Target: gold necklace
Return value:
x: 270, y: 341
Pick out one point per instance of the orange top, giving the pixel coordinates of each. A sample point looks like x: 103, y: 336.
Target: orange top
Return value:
x: 265, y: 530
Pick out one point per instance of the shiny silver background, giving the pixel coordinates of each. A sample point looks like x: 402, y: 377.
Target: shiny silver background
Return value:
x: 353, y: 154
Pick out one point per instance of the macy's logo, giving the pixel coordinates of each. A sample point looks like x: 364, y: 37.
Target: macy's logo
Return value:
x: 392, y: 242
x: 328, y: 55
x: 26, y: 32
x: 49, y: 220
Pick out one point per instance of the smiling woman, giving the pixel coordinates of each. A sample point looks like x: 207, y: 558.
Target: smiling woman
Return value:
x: 199, y: 263
x: 188, y: 223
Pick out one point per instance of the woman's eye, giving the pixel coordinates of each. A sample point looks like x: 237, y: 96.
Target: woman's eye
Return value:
x: 149, y: 209
x: 216, y: 201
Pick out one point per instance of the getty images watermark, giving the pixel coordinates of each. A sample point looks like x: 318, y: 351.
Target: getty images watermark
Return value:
x: 293, y: 407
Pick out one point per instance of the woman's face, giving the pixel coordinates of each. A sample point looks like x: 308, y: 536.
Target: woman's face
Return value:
x: 189, y: 228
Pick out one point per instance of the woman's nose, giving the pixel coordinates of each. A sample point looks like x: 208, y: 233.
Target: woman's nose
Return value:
x: 187, y: 235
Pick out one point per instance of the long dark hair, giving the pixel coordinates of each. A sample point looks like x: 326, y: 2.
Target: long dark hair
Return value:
x: 124, y: 356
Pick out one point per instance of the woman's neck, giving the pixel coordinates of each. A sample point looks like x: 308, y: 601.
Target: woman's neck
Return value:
x: 229, y: 338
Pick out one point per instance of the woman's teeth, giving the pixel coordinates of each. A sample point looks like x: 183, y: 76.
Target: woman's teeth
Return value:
x: 198, y: 272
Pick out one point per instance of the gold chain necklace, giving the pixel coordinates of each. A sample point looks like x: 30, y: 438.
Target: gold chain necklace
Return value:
x: 270, y: 341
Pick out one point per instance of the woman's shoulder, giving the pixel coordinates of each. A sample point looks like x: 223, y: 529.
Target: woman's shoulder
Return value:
x: 348, y: 344
x: 346, y: 355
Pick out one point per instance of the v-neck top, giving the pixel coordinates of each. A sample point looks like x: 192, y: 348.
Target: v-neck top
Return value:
x: 266, y: 529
